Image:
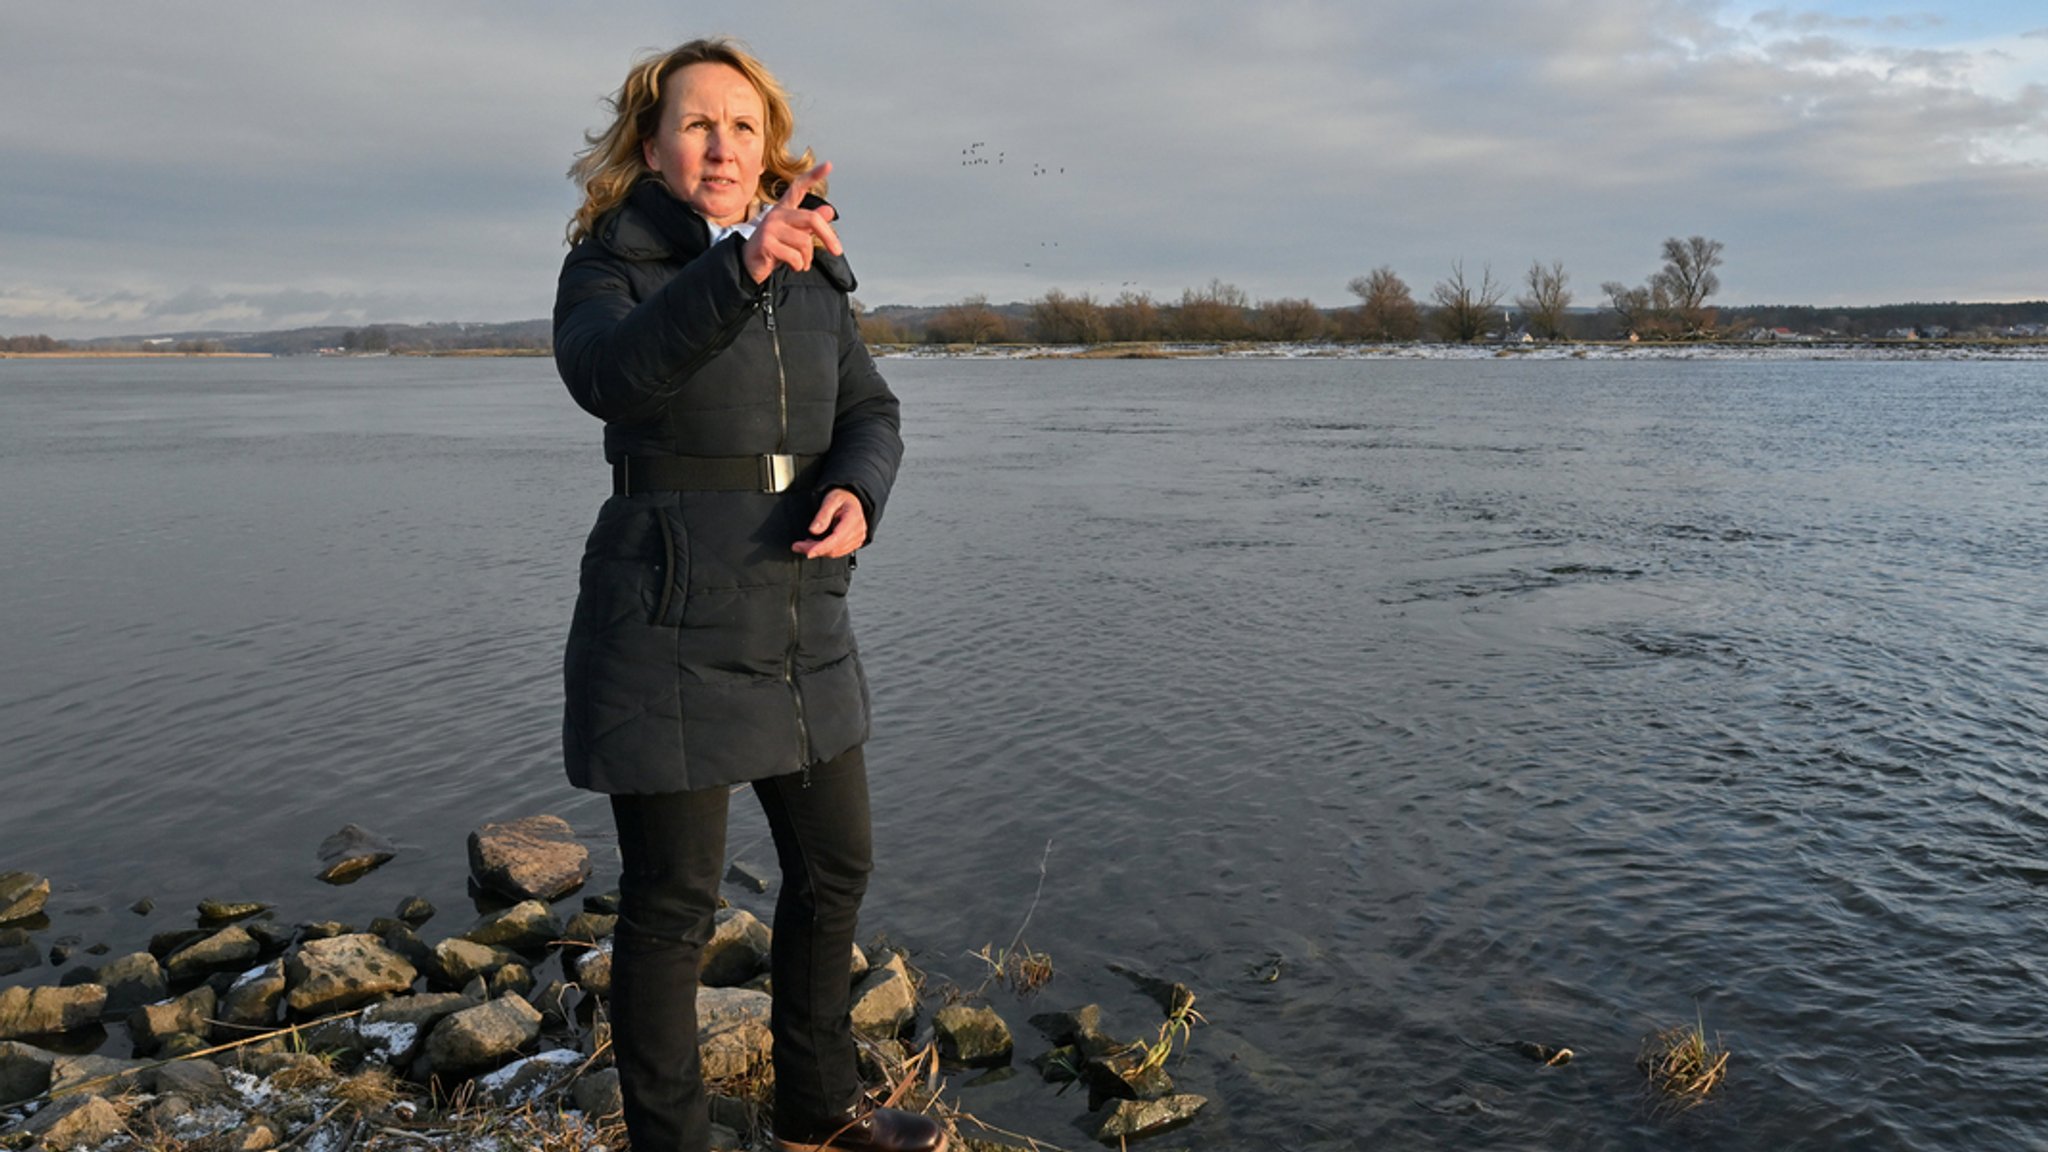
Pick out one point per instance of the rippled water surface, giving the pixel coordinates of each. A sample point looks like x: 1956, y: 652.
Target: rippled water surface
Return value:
x: 1482, y: 701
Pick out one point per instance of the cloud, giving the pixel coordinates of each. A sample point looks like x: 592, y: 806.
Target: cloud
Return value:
x: 389, y: 157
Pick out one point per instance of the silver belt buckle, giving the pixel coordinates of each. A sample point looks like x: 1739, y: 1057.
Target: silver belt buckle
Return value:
x: 778, y: 472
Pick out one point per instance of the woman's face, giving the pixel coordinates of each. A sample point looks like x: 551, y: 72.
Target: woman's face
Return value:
x: 709, y: 146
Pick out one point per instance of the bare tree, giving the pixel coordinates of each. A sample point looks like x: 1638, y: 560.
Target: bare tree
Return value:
x: 1294, y: 319
x: 1058, y: 318
x: 1213, y: 313
x: 1632, y: 306
x: 1548, y: 296
x: 1386, y: 309
x: 1133, y: 317
x: 1462, y: 309
x: 1688, y: 273
x: 971, y: 321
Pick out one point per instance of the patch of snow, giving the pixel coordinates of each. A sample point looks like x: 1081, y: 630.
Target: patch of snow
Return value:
x: 253, y: 1089
x: 249, y: 977
x: 503, y: 1078
x: 389, y: 1039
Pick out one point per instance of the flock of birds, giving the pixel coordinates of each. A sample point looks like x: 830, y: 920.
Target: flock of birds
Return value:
x: 976, y: 155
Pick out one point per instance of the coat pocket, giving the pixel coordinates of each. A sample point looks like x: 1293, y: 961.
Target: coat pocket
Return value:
x: 671, y: 569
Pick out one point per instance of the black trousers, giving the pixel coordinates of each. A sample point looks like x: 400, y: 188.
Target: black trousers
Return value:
x: 672, y: 845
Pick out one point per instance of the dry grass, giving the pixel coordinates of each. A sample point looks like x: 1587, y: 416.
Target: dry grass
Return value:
x: 1684, y: 1067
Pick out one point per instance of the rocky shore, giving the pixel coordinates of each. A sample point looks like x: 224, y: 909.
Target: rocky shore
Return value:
x: 243, y: 1032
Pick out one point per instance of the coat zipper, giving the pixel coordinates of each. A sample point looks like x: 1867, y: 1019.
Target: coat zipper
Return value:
x: 796, y: 697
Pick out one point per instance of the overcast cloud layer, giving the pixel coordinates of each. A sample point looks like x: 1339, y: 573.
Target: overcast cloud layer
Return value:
x: 169, y: 167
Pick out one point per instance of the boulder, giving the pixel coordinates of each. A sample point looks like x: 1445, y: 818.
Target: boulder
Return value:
x: 972, y: 1036
x: 24, y: 1071
x: 228, y: 950
x: 885, y: 1001
x: 458, y: 961
x: 527, y: 926
x: 737, y: 950
x: 214, y: 913
x: 196, y: 1080
x: 482, y: 1037
x: 151, y: 1023
x: 394, y: 1032
x: 597, y: 1094
x: 83, y: 1121
x: 272, y: 936
x: 1131, y: 1119
x: 22, y: 895
x: 108, y: 1074
x: 48, y: 1011
x: 344, y: 972
x: 351, y: 854
x: 534, y: 858
x: 511, y: 980
x: 733, y: 1040
x: 131, y: 981
x: 251, y: 1001
x: 594, y: 970
x: 526, y: 1079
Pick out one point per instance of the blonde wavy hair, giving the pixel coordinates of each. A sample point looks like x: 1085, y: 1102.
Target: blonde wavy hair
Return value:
x: 612, y: 160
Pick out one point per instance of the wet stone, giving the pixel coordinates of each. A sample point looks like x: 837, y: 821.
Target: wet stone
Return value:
x: 1126, y: 1074
x: 604, y: 903
x: 344, y: 972
x: 252, y: 1000
x: 352, y: 853
x: 22, y: 896
x: 458, y: 961
x: 483, y: 1036
x: 151, y: 1023
x: 415, y: 910
x: 228, y: 950
x: 746, y: 876
x: 885, y: 1001
x: 594, y: 970
x: 972, y: 1036
x: 1131, y: 1119
x: 325, y: 930
x: 215, y: 913
x: 511, y: 980
x: 534, y: 858
x: 18, y: 952
x: 527, y: 926
x: 143, y: 907
x: 738, y: 949
x: 1067, y: 1027
x: 48, y: 1011
x: 24, y: 1071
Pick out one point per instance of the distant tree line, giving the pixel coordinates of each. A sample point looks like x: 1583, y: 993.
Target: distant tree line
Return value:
x: 31, y: 344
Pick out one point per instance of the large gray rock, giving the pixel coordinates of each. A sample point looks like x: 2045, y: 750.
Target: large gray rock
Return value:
x: 150, y: 1024
x: 85, y: 1121
x: 228, y: 950
x: 22, y: 895
x: 48, y: 1011
x: 350, y: 854
x: 482, y: 1037
x: 527, y: 926
x: 197, y: 1080
x: 1131, y: 1119
x: 458, y: 961
x: 885, y: 1001
x: 109, y: 1074
x: 131, y: 981
x: 252, y: 1000
x: 534, y: 858
x: 24, y: 1071
x: 732, y: 1032
x: 737, y: 950
x: 344, y: 972
x: 972, y: 1036
x: 597, y: 1094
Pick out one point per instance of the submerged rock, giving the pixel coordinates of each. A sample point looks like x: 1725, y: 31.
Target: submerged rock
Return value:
x: 746, y: 876
x: 48, y: 1011
x: 1131, y: 1119
x: 415, y: 910
x: 22, y: 895
x: 534, y: 858
x: 18, y: 952
x: 353, y: 853
x: 343, y: 972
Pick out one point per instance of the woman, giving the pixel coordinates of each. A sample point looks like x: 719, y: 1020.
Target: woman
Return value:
x: 702, y: 314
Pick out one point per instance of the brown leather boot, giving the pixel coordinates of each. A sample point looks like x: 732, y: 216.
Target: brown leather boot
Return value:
x: 865, y: 1130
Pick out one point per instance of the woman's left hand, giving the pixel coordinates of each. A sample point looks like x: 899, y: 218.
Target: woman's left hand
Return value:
x: 839, y: 528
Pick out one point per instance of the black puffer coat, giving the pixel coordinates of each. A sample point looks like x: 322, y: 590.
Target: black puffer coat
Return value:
x: 703, y: 651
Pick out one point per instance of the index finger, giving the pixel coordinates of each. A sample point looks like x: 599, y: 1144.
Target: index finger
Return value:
x: 793, y: 196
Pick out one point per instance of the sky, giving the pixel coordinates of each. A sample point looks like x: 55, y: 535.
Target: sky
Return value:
x: 221, y: 165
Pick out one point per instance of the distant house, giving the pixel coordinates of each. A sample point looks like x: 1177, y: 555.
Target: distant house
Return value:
x: 1902, y: 334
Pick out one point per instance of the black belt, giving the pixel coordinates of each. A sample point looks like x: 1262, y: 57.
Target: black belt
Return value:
x: 772, y: 473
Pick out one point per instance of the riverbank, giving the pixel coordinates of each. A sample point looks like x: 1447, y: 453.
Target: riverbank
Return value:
x: 1856, y: 350
x: 242, y: 1030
